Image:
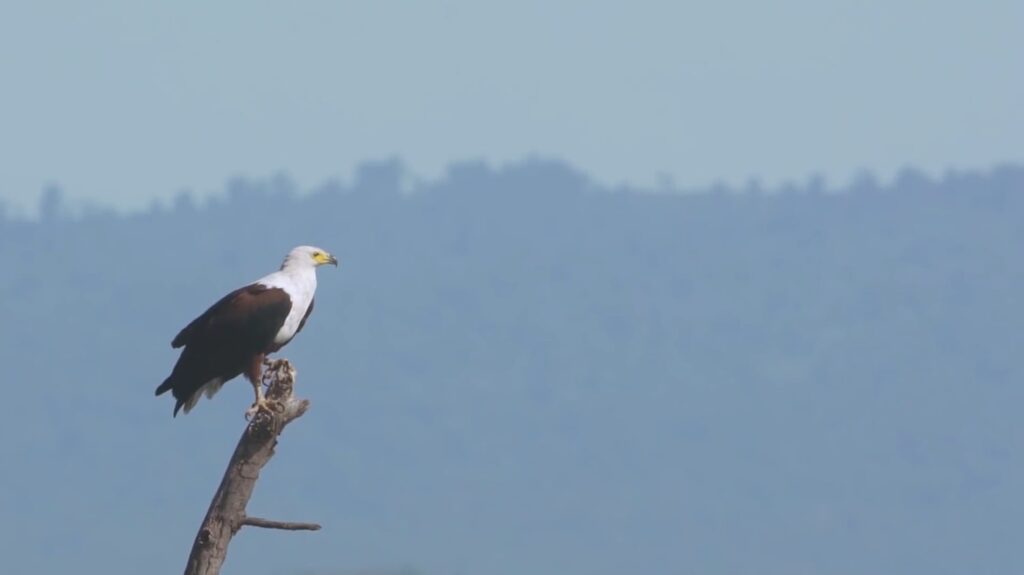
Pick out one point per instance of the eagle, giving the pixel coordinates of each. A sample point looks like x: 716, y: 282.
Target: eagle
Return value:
x: 235, y: 334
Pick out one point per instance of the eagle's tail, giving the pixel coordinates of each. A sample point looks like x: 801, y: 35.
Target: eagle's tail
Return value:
x: 188, y: 394
x: 168, y: 385
x: 165, y: 386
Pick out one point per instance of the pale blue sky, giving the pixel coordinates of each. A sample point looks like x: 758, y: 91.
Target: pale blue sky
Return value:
x: 122, y: 101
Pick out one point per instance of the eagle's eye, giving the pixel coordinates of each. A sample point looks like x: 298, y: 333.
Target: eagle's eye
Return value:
x: 316, y: 255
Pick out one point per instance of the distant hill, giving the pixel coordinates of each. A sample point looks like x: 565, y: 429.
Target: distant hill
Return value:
x: 518, y: 370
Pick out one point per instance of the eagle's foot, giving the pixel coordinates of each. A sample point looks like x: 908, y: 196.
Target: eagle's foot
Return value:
x: 261, y: 404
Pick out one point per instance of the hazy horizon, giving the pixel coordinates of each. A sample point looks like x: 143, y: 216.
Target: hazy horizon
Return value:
x: 72, y: 205
x: 520, y: 371
x: 120, y: 102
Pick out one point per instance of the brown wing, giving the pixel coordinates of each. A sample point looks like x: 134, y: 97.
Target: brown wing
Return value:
x: 222, y: 341
x: 255, y: 310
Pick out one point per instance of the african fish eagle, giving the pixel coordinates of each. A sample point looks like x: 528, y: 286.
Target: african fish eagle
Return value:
x: 235, y: 334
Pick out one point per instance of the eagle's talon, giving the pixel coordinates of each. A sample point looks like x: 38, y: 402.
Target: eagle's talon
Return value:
x: 261, y: 404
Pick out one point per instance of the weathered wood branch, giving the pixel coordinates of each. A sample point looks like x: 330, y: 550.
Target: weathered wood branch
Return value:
x: 226, y: 514
x: 286, y: 525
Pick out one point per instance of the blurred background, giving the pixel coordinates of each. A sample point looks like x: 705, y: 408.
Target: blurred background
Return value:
x: 657, y: 287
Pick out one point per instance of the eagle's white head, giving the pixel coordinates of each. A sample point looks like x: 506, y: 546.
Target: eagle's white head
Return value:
x: 308, y: 257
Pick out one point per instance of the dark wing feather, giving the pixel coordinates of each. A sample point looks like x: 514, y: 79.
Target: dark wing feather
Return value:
x: 223, y: 340
x: 254, y: 313
x: 186, y: 333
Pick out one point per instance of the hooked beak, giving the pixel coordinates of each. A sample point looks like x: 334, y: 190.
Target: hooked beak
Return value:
x: 324, y: 258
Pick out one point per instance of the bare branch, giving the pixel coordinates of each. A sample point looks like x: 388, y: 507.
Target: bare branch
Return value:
x: 286, y: 525
x: 226, y: 514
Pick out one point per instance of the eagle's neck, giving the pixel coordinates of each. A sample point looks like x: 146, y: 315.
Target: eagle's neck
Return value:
x: 301, y: 278
x: 292, y: 262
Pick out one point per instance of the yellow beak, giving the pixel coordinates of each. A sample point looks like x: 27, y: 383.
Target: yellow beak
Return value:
x: 326, y: 258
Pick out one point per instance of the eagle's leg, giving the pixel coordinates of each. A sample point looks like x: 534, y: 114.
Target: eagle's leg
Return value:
x: 255, y: 376
x: 261, y: 403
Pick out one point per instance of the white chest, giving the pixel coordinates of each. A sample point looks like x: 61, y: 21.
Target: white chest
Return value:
x: 300, y: 286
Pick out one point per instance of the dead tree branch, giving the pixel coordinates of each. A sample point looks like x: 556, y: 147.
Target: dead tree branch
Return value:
x: 286, y: 525
x: 226, y: 514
